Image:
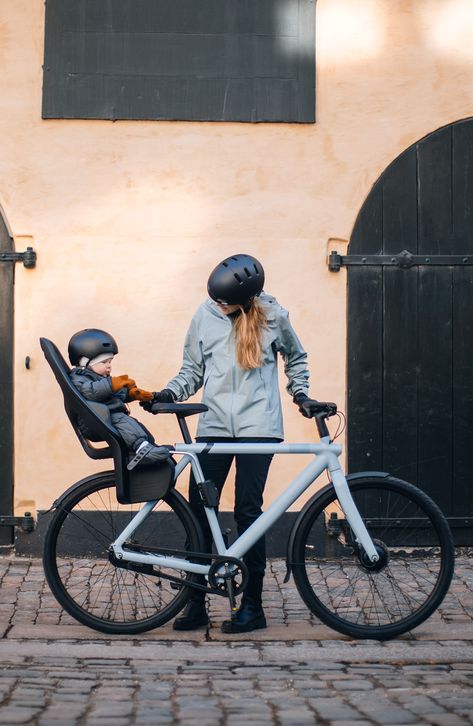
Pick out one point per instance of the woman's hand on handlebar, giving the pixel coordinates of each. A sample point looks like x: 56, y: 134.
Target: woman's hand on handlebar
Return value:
x: 310, y: 407
x: 164, y: 396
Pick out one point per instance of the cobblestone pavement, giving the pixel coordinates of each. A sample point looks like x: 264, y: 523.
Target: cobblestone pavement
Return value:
x: 55, y: 671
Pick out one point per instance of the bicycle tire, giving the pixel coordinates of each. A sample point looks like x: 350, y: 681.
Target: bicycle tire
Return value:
x: 416, y: 559
x: 92, y: 589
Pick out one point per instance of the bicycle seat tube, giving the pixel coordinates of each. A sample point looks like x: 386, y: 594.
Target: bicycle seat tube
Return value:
x: 209, y: 511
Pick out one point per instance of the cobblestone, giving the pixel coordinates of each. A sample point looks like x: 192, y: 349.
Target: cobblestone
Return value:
x: 54, y: 671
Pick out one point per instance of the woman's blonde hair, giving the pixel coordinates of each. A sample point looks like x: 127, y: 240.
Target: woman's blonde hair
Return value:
x: 249, y: 328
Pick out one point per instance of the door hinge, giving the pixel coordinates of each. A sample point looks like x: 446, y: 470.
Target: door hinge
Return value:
x: 26, y: 522
x: 403, y: 260
x: 28, y: 257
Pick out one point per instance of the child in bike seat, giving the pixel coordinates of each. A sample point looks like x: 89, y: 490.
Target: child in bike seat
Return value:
x: 91, y: 352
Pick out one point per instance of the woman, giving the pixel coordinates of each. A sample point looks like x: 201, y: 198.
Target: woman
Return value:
x: 231, y: 350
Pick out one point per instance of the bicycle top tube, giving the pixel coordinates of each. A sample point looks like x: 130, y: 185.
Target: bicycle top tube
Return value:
x: 255, y: 448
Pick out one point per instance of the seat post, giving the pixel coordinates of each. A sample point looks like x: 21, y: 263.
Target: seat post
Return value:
x: 184, y: 429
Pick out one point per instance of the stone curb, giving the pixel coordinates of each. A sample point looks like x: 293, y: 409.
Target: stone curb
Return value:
x: 274, y: 633
x: 394, y: 652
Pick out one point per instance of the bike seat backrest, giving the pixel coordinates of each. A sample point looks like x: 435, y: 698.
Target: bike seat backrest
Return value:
x: 141, y: 484
x: 77, y: 406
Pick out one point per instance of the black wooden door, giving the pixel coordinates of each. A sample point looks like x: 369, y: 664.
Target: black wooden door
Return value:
x: 410, y: 328
x: 6, y: 383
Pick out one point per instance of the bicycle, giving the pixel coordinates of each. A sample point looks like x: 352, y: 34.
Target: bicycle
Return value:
x: 372, y: 556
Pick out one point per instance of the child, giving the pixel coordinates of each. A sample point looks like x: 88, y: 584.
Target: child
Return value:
x: 91, y: 352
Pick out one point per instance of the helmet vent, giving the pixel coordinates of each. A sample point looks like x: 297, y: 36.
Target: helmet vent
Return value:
x: 238, y: 279
x: 248, y: 273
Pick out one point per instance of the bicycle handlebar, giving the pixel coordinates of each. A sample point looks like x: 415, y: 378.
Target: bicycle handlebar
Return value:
x: 320, y: 410
x: 329, y: 409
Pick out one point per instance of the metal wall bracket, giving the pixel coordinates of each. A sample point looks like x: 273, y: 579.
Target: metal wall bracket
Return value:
x: 403, y: 260
x: 28, y: 257
x: 26, y: 522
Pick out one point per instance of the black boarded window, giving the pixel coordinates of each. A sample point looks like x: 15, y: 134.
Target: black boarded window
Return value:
x: 190, y: 60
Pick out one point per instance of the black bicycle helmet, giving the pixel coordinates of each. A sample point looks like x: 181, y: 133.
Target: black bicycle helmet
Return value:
x: 90, y: 343
x: 236, y: 280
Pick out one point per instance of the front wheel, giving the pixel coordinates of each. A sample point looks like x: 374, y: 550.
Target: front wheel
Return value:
x: 83, y: 575
x: 382, y: 600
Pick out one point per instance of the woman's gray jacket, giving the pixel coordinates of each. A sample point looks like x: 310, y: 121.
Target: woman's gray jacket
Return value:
x: 241, y: 403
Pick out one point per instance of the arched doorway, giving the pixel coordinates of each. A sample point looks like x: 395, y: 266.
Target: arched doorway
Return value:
x: 410, y: 323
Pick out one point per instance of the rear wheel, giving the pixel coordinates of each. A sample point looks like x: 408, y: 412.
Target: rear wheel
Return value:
x: 392, y: 596
x: 82, y: 574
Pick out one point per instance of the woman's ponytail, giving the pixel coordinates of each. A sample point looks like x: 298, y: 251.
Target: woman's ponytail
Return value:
x: 249, y: 328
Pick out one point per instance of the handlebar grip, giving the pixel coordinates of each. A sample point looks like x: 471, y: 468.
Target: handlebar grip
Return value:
x: 330, y: 409
x: 318, y: 409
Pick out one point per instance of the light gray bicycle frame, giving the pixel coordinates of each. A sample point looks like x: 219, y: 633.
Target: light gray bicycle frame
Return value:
x: 326, y: 457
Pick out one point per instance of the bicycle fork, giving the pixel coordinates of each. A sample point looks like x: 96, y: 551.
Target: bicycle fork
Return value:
x: 350, y: 510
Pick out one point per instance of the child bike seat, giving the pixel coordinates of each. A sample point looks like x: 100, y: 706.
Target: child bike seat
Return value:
x: 144, y: 483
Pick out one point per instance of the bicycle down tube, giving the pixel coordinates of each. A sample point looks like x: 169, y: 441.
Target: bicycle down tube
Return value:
x: 326, y: 458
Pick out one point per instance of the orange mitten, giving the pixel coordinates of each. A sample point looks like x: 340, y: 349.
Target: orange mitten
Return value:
x: 138, y: 394
x: 124, y: 381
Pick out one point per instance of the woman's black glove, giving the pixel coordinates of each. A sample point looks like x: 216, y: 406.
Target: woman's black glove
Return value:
x: 310, y: 407
x: 164, y: 396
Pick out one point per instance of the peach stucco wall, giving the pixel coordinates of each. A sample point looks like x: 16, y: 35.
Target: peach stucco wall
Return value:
x: 128, y: 218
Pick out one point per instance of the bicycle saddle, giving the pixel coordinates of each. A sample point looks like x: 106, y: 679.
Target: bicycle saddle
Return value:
x: 180, y: 409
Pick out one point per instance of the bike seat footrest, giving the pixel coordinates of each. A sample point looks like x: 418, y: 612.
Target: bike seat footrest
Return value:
x: 140, y: 454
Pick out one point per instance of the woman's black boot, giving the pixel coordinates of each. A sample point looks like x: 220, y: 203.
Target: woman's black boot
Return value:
x: 249, y: 617
x: 193, y: 616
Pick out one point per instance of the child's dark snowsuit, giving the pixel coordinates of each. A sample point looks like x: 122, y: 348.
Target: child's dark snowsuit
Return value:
x: 99, y: 389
